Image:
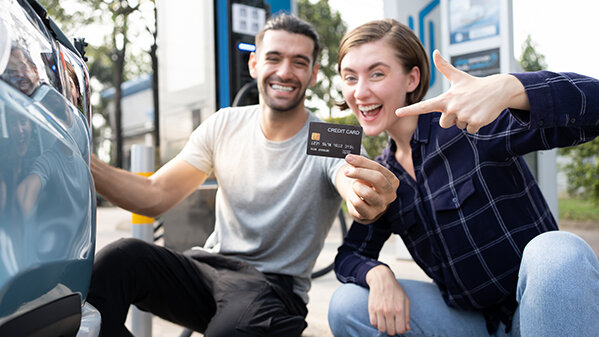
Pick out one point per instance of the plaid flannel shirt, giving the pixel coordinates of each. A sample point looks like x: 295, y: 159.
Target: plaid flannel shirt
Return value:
x: 475, y: 204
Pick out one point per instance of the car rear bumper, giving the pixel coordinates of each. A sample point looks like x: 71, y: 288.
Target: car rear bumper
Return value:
x: 90, y: 321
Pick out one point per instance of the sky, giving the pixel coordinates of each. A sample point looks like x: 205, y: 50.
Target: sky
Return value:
x: 564, y: 31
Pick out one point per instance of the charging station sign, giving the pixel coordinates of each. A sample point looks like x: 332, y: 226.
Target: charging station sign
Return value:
x: 473, y: 19
x: 248, y: 20
x: 480, y: 63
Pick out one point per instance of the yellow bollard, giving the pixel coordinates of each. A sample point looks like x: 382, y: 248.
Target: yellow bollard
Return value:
x: 138, y: 219
x: 142, y: 227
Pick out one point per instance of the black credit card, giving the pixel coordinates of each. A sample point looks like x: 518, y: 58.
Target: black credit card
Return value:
x: 334, y: 140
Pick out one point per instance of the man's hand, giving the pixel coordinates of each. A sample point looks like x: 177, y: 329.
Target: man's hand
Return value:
x: 471, y: 102
x: 388, y: 303
x: 372, y: 188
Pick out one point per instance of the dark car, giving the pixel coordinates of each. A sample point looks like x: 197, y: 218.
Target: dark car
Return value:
x: 47, y: 197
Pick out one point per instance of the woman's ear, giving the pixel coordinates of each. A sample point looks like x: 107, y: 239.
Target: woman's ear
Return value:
x: 413, y: 79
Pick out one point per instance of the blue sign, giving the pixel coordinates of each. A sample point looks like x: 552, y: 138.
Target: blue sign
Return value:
x: 473, y: 19
x: 481, y: 63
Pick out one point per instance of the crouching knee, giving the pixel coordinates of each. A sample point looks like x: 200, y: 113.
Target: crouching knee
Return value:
x: 117, y: 257
x: 558, y: 261
x: 348, y: 311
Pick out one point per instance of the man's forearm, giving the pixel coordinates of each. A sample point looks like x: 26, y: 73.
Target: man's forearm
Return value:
x: 151, y: 196
x: 124, y: 189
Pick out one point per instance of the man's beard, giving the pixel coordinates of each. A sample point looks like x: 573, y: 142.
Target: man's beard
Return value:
x: 281, y: 107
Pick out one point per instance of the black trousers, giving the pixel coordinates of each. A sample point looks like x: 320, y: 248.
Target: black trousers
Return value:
x: 213, y: 294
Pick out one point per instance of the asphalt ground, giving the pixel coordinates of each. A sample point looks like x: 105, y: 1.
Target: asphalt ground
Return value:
x: 114, y: 223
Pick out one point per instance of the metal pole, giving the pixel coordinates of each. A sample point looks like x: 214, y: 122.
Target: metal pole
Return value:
x: 142, y: 227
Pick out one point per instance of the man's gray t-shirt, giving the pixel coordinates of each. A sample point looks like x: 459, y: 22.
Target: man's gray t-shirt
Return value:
x: 275, y: 204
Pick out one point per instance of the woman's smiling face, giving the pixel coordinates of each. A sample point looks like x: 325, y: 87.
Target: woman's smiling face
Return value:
x: 375, y: 84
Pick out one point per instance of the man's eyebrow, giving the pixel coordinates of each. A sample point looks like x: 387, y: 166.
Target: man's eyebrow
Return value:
x: 304, y: 57
x: 276, y: 53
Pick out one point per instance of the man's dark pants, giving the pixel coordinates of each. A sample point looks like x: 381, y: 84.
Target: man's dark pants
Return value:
x: 210, y: 293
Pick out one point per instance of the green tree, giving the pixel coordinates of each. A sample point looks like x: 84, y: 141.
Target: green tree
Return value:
x: 330, y: 28
x: 582, y: 171
x: 531, y: 60
x: 112, y: 62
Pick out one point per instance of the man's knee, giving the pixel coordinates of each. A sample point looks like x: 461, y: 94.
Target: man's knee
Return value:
x: 119, y: 255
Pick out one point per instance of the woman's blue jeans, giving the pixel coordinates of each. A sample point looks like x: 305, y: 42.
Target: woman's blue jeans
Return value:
x: 557, y: 293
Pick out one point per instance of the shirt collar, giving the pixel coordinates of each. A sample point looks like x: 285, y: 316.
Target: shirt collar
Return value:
x: 422, y: 133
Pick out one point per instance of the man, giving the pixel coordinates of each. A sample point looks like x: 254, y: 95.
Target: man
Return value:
x: 274, y: 207
x: 21, y: 71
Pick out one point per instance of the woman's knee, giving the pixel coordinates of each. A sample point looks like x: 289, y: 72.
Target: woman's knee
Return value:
x: 346, y: 306
x: 556, y: 250
x: 554, y: 262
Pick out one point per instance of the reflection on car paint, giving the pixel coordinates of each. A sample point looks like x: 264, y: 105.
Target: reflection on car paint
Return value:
x: 47, y: 197
x: 45, y: 187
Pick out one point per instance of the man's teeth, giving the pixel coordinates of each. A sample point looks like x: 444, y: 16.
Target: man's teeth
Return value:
x: 282, y: 88
x: 368, y: 108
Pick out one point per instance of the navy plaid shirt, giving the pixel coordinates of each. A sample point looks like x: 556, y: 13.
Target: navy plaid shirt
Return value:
x: 475, y: 204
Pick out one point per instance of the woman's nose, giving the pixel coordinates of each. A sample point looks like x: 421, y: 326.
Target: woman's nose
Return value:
x: 362, y: 89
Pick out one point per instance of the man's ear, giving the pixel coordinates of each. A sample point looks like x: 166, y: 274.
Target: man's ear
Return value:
x: 253, y: 60
x: 314, y: 74
x: 413, y: 79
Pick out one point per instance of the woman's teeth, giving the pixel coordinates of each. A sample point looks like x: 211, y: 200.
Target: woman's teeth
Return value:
x: 369, y: 109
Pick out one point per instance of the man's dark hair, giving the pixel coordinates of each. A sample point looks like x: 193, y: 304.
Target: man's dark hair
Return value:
x: 291, y: 24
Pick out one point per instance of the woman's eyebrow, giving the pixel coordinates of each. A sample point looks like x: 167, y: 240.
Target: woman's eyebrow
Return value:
x: 372, y: 66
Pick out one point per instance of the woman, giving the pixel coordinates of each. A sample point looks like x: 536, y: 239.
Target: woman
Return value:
x: 467, y: 205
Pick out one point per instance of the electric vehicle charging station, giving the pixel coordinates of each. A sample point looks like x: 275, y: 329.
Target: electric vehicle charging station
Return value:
x: 204, y: 50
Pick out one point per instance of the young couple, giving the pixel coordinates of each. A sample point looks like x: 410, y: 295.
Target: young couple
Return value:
x: 466, y: 206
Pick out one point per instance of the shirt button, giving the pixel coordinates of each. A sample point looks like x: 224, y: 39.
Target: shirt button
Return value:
x: 541, y: 123
x: 572, y: 120
x: 455, y: 200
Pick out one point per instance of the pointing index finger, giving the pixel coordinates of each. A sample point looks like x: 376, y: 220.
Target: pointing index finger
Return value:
x: 420, y: 108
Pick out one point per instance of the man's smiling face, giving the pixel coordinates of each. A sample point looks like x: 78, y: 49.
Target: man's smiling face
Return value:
x: 284, y: 68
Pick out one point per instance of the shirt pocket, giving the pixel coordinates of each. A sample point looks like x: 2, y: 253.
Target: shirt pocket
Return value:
x: 451, y: 206
x: 454, y: 198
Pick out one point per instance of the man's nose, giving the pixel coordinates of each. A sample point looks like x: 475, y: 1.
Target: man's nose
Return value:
x: 285, y: 69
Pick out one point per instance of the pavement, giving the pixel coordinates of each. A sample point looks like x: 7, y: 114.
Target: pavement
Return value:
x: 114, y: 223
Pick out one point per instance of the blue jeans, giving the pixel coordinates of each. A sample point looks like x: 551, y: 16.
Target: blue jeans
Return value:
x: 557, y: 292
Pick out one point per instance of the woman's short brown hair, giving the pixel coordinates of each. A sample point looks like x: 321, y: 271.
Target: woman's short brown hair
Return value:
x: 408, y: 49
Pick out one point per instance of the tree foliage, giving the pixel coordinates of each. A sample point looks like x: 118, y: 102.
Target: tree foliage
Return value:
x: 582, y: 170
x: 330, y: 28
x: 112, y: 62
x: 531, y: 60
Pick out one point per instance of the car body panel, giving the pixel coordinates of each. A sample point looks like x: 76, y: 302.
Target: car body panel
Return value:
x: 47, y: 196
